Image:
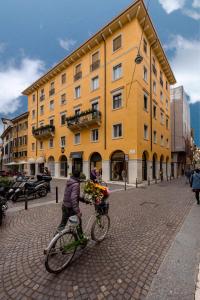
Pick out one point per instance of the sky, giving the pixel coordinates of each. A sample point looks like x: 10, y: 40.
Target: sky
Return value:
x: 35, y: 35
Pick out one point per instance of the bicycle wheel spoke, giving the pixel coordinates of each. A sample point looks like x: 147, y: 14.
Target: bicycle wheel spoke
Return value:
x: 61, y: 253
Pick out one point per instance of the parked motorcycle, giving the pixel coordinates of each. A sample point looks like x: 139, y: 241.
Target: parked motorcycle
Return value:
x: 33, y: 189
x: 3, y: 208
x: 19, y: 181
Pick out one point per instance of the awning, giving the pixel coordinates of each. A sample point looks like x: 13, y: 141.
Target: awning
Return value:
x: 76, y: 154
x: 40, y: 160
x: 12, y: 163
x: 22, y: 162
x: 31, y: 161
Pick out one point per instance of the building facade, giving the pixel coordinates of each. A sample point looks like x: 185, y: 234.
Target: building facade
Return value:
x: 180, y: 131
x: 15, y: 141
x: 97, y: 107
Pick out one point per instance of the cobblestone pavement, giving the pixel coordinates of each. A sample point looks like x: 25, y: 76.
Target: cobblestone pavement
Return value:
x: 143, y: 225
x: 60, y: 183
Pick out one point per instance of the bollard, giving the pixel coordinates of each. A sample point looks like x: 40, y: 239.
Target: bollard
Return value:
x: 56, y: 194
x: 148, y: 181
x: 167, y: 178
x: 136, y: 183
x: 155, y: 180
x: 26, y: 202
x: 170, y: 178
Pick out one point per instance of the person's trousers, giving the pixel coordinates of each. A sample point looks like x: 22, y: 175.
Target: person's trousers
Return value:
x: 197, y: 196
x: 66, y: 213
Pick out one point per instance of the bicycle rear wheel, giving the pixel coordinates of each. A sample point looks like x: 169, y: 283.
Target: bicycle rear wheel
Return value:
x: 61, y: 252
x: 100, y: 228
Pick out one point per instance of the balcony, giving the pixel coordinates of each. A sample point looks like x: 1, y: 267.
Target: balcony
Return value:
x: 78, y: 76
x: 44, y: 132
x: 95, y: 65
x: 84, y: 120
x: 51, y: 92
x: 154, y: 70
x: 42, y: 97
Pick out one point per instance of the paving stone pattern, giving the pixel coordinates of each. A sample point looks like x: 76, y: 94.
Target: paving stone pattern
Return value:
x: 143, y: 225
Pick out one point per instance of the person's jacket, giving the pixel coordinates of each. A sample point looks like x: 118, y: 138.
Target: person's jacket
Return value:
x: 195, y: 181
x: 72, y: 194
x: 93, y: 175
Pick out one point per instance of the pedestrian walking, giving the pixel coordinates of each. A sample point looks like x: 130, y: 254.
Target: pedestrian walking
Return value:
x: 93, y: 175
x: 195, y: 182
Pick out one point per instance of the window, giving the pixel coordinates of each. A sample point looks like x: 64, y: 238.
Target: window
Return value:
x: 117, y: 43
x: 161, y: 96
x: 117, y: 100
x: 42, y: 95
x: 154, y: 66
x: 145, y: 102
x: 117, y: 72
x: 33, y: 114
x: 95, y: 105
x: 77, y: 92
x: 51, y: 105
x: 95, y: 83
x: 154, y: 87
x: 117, y: 130
x: 167, y: 104
x: 94, y: 135
x: 162, y: 118
x: 145, y: 74
x: 52, y: 89
x: 154, y: 111
x: 41, y: 123
x: 33, y: 98
x: 63, y: 99
x: 33, y: 146
x: 77, y: 138
x: 62, y: 141
x: 95, y: 61
x: 63, y: 78
x: 161, y: 78
x: 145, y: 132
x: 145, y: 45
x: 77, y: 111
x: 78, y: 72
x: 162, y: 140
x: 166, y: 85
x: 41, y: 145
x: 51, y: 143
x: 155, y: 137
x: 51, y: 122
x: 63, y: 119
x: 167, y: 143
x: 41, y: 110
x: 167, y: 123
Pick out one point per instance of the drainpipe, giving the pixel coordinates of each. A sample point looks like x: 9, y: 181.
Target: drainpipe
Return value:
x: 151, y: 100
x: 105, y: 88
x: 36, y: 144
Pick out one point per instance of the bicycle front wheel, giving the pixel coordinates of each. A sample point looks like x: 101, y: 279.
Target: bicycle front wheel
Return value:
x: 61, y: 252
x: 100, y: 228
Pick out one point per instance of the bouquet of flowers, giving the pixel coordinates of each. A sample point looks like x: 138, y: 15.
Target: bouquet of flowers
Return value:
x: 94, y: 192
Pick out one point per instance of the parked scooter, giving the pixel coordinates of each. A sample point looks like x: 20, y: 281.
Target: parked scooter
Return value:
x: 19, y: 181
x: 3, y: 208
x: 33, y: 189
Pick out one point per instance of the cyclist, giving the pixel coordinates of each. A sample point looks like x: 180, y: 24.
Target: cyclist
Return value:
x: 71, y: 200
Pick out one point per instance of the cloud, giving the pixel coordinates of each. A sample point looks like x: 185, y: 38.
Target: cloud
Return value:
x: 14, y: 79
x: 172, y: 5
x: 66, y: 43
x: 2, y: 47
x: 186, y: 64
x: 188, y: 8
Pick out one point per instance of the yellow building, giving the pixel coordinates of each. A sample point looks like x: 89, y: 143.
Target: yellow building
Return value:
x: 97, y: 105
x: 15, y: 141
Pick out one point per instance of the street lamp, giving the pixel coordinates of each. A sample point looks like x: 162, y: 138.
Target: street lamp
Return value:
x: 138, y: 59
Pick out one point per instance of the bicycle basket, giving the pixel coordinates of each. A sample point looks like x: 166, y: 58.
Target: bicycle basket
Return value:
x: 102, y: 208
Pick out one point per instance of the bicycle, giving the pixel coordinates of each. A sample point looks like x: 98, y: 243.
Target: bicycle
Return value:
x: 63, y: 246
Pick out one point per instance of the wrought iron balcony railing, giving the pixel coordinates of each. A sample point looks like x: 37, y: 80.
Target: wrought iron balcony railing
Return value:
x: 84, y: 120
x: 44, y: 131
x: 95, y: 65
x: 78, y: 76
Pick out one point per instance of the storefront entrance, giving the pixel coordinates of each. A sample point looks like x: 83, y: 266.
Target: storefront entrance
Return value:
x: 96, y: 162
x: 144, y: 166
x: 118, y: 166
x: 63, y: 166
x: 77, y: 161
x: 154, y: 166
